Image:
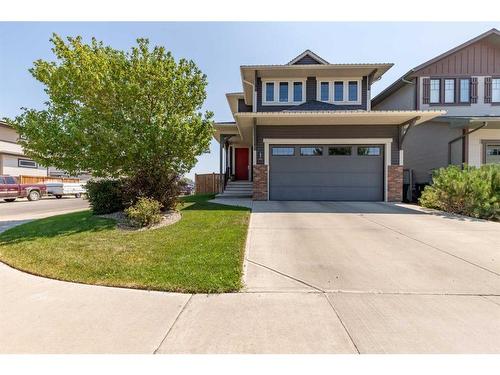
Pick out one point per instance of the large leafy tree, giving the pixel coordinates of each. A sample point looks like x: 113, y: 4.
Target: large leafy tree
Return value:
x: 116, y: 113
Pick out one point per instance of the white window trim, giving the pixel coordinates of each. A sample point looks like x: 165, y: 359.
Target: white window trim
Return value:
x: 445, y: 90
x: 387, y: 142
x: 439, y: 90
x: 460, y: 91
x: 331, y: 92
x: 290, y: 82
x: 492, y: 91
x: 20, y: 160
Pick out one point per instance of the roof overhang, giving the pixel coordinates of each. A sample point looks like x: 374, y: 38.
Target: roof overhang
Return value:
x: 462, y: 122
x: 248, y: 73
x: 226, y: 128
x: 245, y: 120
x: 232, y: 100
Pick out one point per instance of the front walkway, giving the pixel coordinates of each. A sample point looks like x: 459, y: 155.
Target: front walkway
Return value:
x: 320, y: 278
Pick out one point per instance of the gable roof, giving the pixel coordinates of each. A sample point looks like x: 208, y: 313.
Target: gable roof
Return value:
x: 400, y: 82
x: 307, y: 57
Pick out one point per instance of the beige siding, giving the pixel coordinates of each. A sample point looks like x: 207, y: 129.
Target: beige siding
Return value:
x: 8, y: 134
x: 10, y: 166
x: 476, y: 147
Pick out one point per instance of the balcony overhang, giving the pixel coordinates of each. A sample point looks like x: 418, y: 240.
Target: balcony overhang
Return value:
x: 243, y: 126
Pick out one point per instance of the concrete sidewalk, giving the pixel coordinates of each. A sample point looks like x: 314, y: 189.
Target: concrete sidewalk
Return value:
x: 320, y: 278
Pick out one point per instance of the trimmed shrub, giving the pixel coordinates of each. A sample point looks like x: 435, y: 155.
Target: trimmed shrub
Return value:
x: 469, y: 191
x: 160, y: 186
x: 146, y: 212
x: 105, y: 196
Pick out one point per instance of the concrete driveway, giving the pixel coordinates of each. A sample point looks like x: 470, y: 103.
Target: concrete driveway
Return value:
x: 400, y: 279
x: 320, y: 278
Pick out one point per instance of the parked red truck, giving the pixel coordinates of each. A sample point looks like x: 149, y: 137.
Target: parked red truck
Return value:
x: 10, y: 189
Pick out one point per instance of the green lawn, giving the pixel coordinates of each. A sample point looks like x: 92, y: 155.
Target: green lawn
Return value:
x: 203, y: 252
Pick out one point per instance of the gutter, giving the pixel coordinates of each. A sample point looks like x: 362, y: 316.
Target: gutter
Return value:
x: 461, y: 138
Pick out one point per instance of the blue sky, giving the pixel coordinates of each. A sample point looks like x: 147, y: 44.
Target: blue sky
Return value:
x: 220, y: 48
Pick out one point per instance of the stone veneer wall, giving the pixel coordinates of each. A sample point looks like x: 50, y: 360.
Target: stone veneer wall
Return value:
x: 395, y: 183
x: 259, y: 182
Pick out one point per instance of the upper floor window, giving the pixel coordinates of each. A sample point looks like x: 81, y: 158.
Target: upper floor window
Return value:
x: 495, y: 90
x: 338, y: 91
x: 297, y: 91
x: 434, y: 90
x: 269, y: 91
x: 325, y: 91
x: 464, y: 90
x: 353, y: 91
x: 449, y: 90
x: 346, y: 91
x: 283, y: 92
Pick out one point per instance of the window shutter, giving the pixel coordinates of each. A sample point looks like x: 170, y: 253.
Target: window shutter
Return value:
x: 473, y: 90
x: 426, y: 94
x: 487, y: 89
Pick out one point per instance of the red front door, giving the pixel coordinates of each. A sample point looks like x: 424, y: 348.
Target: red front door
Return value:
x: 241, y: 163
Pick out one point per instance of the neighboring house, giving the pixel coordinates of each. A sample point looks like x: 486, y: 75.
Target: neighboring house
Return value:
x: 306, y: 131
x: 12, y: 159
x: 465, y: 81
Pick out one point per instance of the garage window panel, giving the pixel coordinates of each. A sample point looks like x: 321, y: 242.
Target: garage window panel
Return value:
x: 283, y: 151
x: 369, y: 151
x: 311, y: 151
x: 340, y: 150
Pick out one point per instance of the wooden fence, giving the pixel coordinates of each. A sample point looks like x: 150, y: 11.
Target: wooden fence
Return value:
x: 207, y: 183
x: 44, y: 179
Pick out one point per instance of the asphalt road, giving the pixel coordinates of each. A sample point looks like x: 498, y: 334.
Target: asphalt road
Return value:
x: 22, y: 209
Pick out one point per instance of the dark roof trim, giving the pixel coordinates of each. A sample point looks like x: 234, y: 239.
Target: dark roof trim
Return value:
x: 400, y: 81
x: 309, y: 53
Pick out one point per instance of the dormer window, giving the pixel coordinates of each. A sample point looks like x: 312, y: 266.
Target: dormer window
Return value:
x: 281, y: 92
x: 339, y: 91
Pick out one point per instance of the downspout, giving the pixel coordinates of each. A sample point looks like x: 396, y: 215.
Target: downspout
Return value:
x: 461, y: 137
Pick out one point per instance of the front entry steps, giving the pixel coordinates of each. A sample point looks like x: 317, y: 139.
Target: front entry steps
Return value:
x: 240, y: 189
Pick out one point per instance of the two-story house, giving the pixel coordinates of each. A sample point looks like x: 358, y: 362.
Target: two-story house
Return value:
x: 12, y: 159
x: 305, y: 130
x: 465, y: 82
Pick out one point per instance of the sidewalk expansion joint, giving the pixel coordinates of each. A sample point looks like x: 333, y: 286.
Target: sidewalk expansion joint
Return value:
x: 341, y: 322
x: 173, y: 324
x: 285, y: 275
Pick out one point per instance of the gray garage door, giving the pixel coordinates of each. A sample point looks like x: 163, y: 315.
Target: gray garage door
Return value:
x: 326, y: 172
